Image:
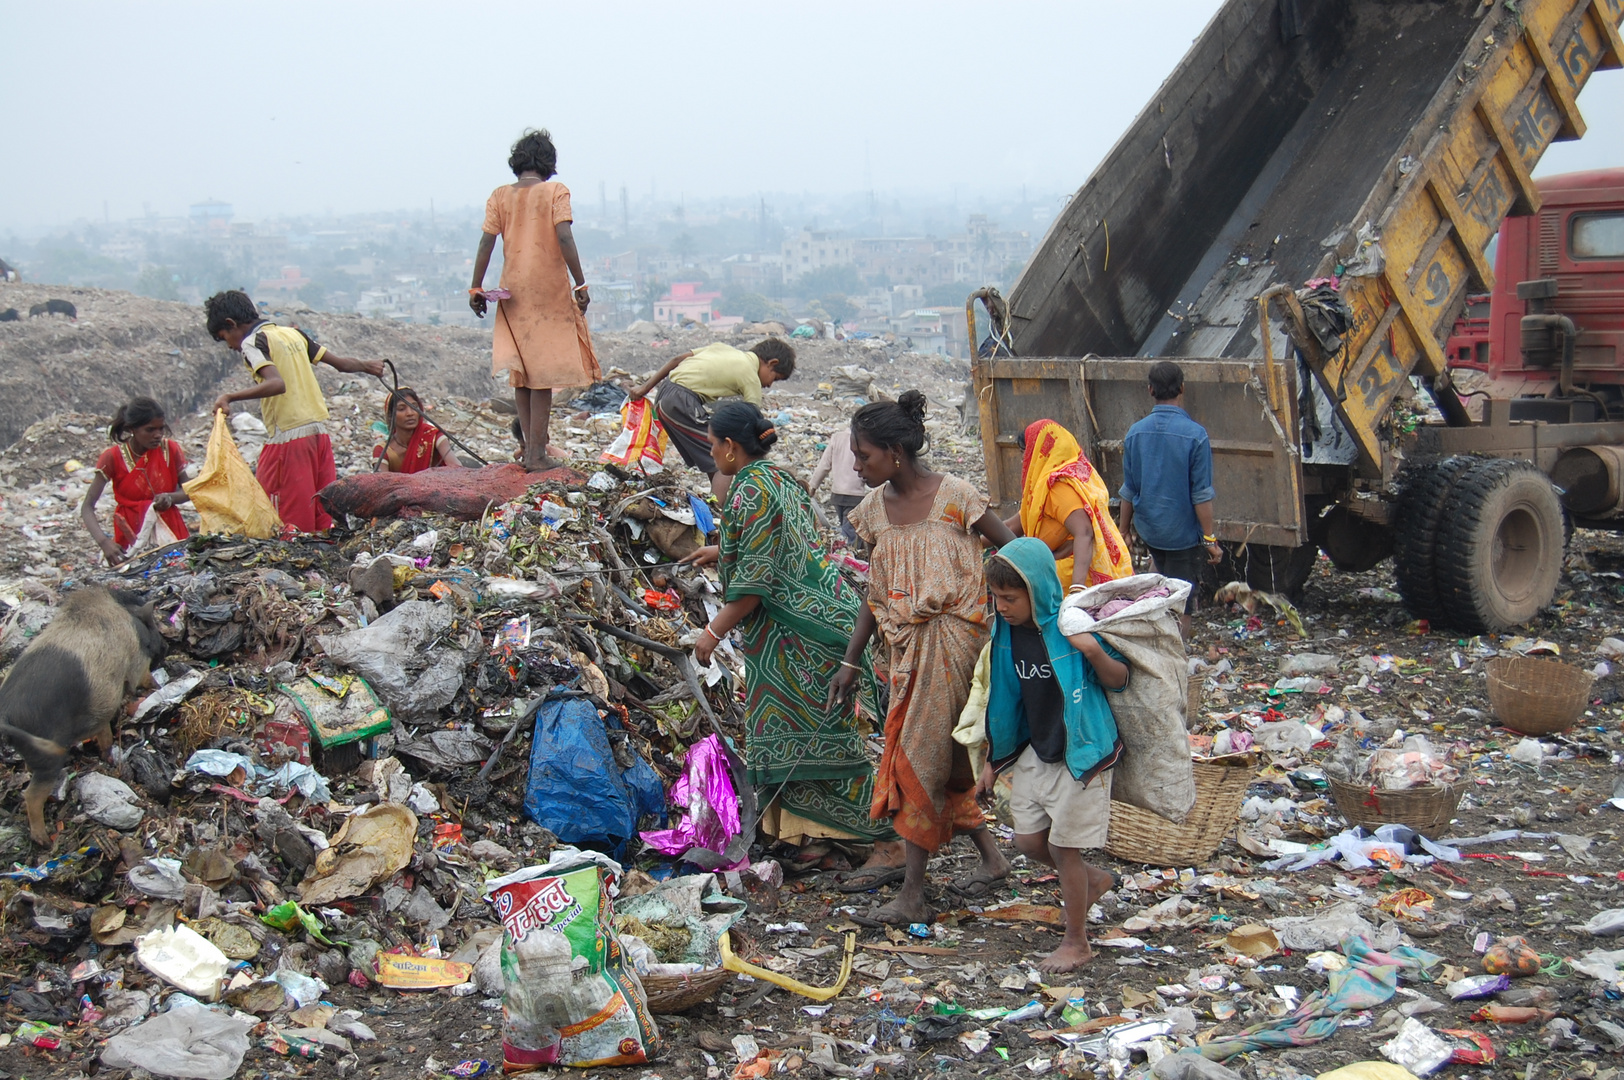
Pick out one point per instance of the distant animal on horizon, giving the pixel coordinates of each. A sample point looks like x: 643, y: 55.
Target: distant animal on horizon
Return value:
x: 9, y: 315
x: 70, y: 683
x: 54, y: 307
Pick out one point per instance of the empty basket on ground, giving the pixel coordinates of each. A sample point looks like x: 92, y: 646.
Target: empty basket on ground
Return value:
x: 1140, y: 836
x: 677, y: 993
x: 1426, y: 809
x: 1537, y: 696
x: 1192, y: 702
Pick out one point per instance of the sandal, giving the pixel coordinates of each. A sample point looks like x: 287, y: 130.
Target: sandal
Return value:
x: 869, y: 878
x: 978, y: 886
x: 871, y: 918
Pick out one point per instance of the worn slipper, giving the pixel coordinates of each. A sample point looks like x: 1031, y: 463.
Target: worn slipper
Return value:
x: 868, y: 878
x: 977, y: 886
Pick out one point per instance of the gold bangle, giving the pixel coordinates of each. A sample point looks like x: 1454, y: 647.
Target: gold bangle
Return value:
x: 848, y: 663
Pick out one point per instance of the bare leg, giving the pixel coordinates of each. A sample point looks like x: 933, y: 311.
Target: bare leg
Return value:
x: 887, y: 853
x: 1081, y: 884
x: 541, y: 418
x: 909, y: 904
x: 720, y: 482
x: 521, y: 405
x: 993, y: 863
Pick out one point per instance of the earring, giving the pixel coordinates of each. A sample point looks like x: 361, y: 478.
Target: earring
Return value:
x: 897, y: 462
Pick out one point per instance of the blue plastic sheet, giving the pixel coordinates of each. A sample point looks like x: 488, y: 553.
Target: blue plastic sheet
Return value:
x: 576, y: 789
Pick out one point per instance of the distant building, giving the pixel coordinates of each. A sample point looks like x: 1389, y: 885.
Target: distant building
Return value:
x: 754, y: 272
x: 211, y: 216
x: 686, y: 302
x: 288, y: 283
x: 811, y: 250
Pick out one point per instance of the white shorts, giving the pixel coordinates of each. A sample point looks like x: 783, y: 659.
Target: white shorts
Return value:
x: 1045, y: 796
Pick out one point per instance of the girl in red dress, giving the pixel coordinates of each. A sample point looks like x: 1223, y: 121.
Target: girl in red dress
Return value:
x: 144, y: 466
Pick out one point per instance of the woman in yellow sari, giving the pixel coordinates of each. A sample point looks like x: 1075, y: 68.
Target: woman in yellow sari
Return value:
x: 1065, y: 503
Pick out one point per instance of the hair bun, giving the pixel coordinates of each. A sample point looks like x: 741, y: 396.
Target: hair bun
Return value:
x: 766, y: 433
x: 912, y: 402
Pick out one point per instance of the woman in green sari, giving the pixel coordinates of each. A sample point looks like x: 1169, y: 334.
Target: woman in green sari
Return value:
x: 794, y: 614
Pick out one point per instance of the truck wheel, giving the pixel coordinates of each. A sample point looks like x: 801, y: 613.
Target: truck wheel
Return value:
x: 1353, y: 543
x: 1500, y: 548
x: 1420, y: 510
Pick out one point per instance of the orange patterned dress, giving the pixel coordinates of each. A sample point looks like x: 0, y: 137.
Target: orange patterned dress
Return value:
x: 929, y: 596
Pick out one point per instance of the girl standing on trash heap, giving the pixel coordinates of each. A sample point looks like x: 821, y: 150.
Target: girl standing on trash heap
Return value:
x: 414, y: 444
x: 794, y: 614
x: 144, y: 467
x: 927, y: 596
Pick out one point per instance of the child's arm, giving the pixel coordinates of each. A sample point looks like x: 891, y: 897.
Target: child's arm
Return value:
x: 572, y: 259
x: 993, y: 530
x: 350, y: 366
x: 1112, y: 673
x: 841, y: 686
x: 269, y: 385
x: 482, y: 262
x: 641, y: 392
x: 87, y: 514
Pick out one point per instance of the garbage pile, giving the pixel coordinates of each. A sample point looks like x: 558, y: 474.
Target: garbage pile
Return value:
x: 403, y: 790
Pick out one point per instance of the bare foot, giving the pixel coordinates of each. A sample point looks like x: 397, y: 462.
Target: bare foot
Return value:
x: 1100, y: 882
x: 1069, y: 957
x: 903, y: 911
x: 542, y: 465
x: 886, y: 853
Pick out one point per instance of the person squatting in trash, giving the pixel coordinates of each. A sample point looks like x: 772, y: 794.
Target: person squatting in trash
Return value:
x: 413, y: 444
x: 689, y: 384
x: 1048, y: 721
x: 297, y: 459
x: 1167, y: 487
x: 927, y: 597
x: 541, y: 341
x: 144, y: 467
x: 793, y: 614
x: 1065, y: 503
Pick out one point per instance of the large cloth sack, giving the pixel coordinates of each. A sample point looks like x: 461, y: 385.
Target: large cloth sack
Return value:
x: 464, y: 494
x: 226, y: 495
x: 1154, y: 772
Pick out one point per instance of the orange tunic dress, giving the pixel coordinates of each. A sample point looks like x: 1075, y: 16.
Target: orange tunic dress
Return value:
x: 929, y: 596
x: 541, y: 339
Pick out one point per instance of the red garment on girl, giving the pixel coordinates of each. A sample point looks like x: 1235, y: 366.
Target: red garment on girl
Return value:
x: 420, y: 452
x: 135, y: 480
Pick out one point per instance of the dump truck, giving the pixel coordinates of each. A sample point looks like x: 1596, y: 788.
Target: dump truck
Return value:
x: 1297, y: 218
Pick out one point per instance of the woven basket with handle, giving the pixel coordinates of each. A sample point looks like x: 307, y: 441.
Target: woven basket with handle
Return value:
x: 1140, y: 836
x: 1535, y: 695
x: 1427, y: 809
x: 676, y: 993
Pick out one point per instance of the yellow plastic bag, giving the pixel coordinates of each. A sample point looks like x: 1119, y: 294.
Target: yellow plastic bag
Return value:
x: 642, y: 437
x: 226, y: 495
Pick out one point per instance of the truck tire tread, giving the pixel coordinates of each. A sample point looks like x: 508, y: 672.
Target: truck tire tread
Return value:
x: 1420, y: 512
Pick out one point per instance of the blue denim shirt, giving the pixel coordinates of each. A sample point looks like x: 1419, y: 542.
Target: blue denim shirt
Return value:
x: 1166, y: 473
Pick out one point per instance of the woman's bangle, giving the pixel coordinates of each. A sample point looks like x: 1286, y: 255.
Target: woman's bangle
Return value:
x: 478, y: 290
x: 848, y: 663
x: 579, y: 287
x: 1076, y: 588
x: 707, y: 630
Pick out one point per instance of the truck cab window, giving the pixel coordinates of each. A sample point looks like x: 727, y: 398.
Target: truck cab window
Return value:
x: 1597, y: 236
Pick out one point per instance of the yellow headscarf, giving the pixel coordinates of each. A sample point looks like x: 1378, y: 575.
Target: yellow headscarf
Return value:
x: 1053, y: 457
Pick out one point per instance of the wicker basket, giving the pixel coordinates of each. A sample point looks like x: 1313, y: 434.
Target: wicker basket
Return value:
x: 1537, y: 696
x: 1192, y: 703
x: 1139, y: 836
x: 677, y: 993
x: 1427, y: 809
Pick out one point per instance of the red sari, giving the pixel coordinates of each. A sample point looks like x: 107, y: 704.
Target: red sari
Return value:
x: 420, y: 451
x: 135, y: 480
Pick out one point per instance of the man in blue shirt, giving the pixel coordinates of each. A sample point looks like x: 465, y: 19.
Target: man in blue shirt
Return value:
x: 1167, y: 486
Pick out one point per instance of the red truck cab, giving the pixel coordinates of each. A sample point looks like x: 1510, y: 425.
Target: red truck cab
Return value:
x: 1569, y: 260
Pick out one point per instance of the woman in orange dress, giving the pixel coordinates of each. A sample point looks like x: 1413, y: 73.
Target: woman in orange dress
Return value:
x: 927, y: 598
x: 414, y: 444
x: 541, y: 339
x: 1065, y: 503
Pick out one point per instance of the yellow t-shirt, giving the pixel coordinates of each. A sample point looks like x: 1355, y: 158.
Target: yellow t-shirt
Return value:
x: 719, y: 371
x: 295, y: 357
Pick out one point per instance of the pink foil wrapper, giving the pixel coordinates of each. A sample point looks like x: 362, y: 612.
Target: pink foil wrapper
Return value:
x: 708, y: 804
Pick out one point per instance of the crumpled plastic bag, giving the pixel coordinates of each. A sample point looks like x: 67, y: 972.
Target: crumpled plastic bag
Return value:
x: 198, y: 1044
x: 1417, y: 764
x: 389, y: 654
x: 109, y: 801
x: 579, y: 787
x: 641, y: 438
x: 225, y: 493
x: 373, y: 846
x: 710, y: 809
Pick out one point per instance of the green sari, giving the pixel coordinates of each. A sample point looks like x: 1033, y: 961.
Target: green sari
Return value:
x: 793, y: 643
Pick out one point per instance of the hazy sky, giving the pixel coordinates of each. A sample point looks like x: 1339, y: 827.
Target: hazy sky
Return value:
x: 295, y: 107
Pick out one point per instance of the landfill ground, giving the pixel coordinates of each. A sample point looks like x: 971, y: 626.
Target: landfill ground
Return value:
x: 246, y: 614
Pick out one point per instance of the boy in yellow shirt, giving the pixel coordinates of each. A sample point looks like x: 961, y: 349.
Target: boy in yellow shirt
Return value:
x: 695, y: 380
x: 297, y: 460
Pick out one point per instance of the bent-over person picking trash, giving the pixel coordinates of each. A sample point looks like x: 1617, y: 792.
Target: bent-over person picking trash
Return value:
x: 1049, y: 721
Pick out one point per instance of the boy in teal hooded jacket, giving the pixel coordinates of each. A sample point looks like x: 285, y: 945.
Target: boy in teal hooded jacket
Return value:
x: 1049, y: 720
